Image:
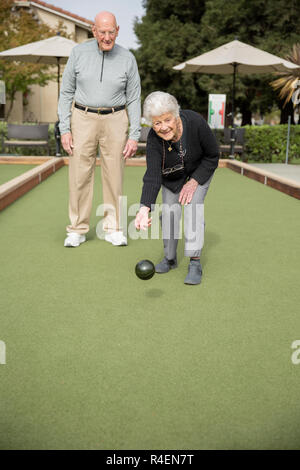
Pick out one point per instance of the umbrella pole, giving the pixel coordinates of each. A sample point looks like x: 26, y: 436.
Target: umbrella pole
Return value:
x: 232, y: 132
x: 58, y: 77
x: 56, y: 126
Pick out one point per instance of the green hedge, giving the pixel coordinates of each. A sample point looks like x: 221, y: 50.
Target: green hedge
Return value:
x: 268, y: 143
x: 262, y: 143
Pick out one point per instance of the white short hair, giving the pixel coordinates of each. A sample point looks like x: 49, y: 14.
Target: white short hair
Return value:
x: 158, y: 103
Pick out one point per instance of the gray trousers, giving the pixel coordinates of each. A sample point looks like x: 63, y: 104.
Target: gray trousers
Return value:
x: 193, y: 222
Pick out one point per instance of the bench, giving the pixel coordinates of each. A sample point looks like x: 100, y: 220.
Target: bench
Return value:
x: 239, y: 141
x: 22, y: 135
x: 143, y: 138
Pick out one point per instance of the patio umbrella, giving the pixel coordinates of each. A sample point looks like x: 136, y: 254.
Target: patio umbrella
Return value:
x: 52, y: 51
x: 236, y: 57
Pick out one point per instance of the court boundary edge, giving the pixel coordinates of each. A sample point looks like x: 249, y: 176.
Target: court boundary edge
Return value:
x: 17, y: 187
x: 285, y: 185
x: 46, y: 166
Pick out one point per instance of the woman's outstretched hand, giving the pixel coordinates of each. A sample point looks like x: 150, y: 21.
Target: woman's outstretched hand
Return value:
x: 142, y: 220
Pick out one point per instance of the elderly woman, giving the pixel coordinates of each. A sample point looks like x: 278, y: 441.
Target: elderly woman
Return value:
x: 182, y: 155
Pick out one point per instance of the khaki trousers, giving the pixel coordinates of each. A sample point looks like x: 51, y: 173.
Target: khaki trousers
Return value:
x: 90, y: 130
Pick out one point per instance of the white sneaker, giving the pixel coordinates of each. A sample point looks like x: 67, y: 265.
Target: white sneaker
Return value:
x: 74, y: 239
x: 116, y: 238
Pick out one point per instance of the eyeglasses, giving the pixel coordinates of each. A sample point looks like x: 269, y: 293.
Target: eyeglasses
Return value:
x: 103, y: 33
x: 176, y: 171
x: 170, y: 171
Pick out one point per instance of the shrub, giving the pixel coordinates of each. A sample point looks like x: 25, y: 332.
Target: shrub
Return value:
x: 262, y: 143
x: 268, y: 143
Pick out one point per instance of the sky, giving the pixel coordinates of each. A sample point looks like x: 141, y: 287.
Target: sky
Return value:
x: 124, y: 10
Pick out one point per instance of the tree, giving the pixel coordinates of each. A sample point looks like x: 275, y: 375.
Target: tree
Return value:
x: 268, y: 25
x: 19, y: 27
x: 289, y: 81
x: 167, y: 34
x: 173, y: 31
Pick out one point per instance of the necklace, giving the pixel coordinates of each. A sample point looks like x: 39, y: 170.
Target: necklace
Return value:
x: 170, y: 148
x: 181, y: 153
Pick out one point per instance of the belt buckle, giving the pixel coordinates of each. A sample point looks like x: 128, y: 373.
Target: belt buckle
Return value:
x: 99, y: 111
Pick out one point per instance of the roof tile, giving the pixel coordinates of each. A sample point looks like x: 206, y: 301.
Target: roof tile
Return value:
x: 60, y: 10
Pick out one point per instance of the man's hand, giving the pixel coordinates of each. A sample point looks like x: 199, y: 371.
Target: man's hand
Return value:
x: 187, y: 192
x: 67, y: 142
x: 142, y: 221
x: 130, y: 148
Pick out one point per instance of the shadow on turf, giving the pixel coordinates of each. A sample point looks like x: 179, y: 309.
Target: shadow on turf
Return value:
x: 154, y: 293
x: 211, y: 239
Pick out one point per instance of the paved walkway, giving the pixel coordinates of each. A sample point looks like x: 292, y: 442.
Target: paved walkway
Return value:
x: 291, y: 172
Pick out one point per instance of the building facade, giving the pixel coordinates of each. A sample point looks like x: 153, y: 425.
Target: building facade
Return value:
x: 40, y: 104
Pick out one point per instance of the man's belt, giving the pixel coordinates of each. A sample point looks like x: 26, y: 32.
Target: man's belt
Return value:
x: 99, y: 110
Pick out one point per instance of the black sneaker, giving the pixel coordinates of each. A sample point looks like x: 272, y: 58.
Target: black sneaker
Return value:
x: 194, y: 272
x: 165, y: 265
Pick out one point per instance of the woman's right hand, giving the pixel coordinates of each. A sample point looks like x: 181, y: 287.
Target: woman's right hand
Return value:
x: 142, y: 220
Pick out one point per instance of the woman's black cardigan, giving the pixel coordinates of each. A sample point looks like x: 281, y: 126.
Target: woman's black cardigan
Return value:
x: 200, y: 161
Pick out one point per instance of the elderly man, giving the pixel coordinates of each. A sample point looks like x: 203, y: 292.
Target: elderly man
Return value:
x: 100, y: 93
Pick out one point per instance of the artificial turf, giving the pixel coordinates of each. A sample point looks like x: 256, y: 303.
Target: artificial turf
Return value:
x: 98, y: 359
x: 7, y: 172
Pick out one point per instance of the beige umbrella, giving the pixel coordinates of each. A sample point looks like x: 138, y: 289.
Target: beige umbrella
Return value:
x: 238, y: 56
x: 233, y: 57
x: 52, y: 51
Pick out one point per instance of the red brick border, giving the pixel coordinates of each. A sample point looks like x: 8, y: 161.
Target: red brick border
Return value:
x: 46, y: 166
x: 287, y: 186
x: 17, y: 187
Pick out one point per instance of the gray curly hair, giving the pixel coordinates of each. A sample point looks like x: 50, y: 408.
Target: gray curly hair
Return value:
x: 158, y: 103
